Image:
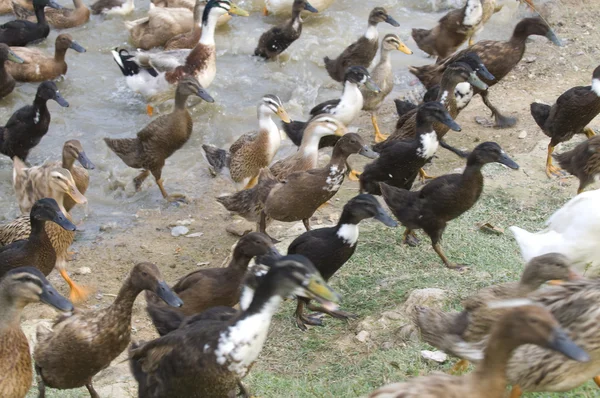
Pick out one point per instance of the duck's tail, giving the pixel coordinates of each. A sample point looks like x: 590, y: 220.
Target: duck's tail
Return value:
x: 132, y: 24
x: 294, y: 131
x: 540, y: 113
x: 330, y: 66
x: 535, y: 244
x: 245, y: 203
x: 420, y: 36
x: 217, y: 158
x: 423, y: 73
x: 439, y: 328
x: 125, y: 148
x: 398, y: 200
x: 403, y: 106
x: 165, y: 318
x: 20, y: 11
x: 125, y: 63
x: 565, y: 159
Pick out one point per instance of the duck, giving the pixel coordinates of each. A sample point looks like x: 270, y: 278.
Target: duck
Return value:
x: 570, y: 231
x: 188, y: 40
x: 7, y: 82
x: 521, y: 326
x: 160, y: 139
x: 224, y: 350
x: 277, y: 39
x: 112, y: 7
x: 399, y: 163
x: 63, y: 18
x: 384, y: 79
x: 500, y: 57
x: 304, y: 192
x: 38, y: 66
x: 28, y: 125
x: 251, y: 151
x: 443, y: 199
x: 21, y: 32
x: 154, y: 74
x: 361, y: 52
x: 6, y: 6
x: 18, y: 288
x: 211, y: 287
x: 284, y: 7
x: 453, y: 332
x: 573, y: 111
x: 582, y: 161
x: 99, y: 336
x: 331, y: 247
x: 246, y: 203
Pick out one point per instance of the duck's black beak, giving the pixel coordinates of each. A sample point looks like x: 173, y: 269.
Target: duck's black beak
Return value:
x: 553, y: 38
x: 368, y: 152
x: 485, y: 73
x: 310, y: 8
x: 14, y: 57
x: 61, y: 101
x: 562, y: 343
x: 505, y: 160
x: 77, y: 47
x: 385, y: 218
x: 53, y: 4
x: 60, y: 219
x: 85, y: 161
x: 167, y: 295
x: 475, y: 81
x: 51, y: 297
x: 202, y: 93
x: 391, y: 21
x: 448, y: 121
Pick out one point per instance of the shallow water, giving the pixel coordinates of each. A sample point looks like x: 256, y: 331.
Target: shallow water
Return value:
x: 102, y: 105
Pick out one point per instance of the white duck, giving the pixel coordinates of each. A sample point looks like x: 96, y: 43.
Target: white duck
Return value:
x: 573, y: 231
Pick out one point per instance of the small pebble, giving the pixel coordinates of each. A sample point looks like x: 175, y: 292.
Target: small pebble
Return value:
x: 362, y: 336
x: 179, y: 230
x: 195, y: 235
x: 83, y: 271
x: 437, y: 356
x: 522, y: 134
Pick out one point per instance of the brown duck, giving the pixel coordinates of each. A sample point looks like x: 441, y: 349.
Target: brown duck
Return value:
x: 583, y: 162
x: 62, y: 18
x: 7, y: 82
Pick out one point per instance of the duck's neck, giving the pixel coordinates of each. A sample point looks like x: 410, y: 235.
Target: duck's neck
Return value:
x: 473, y: 170
x: 518, y: 37
x: 40, y: 104
x: 351, y: 96
x: 10, y: 311
x: 338, y: 158
x: 372, y: 34
x: 491, y: 373
x: 208, y: 30
x: 296, y: 20
x: 59, y: 54
x: 38, y: 236
x: 180, y: 102
x: 4, y: 75
x: 239, y: 261
x: 266, y: 123
x: 78, y: 4
x: 428, y: 141
x: 446, y: 95
x: 347, y: 228
x: 385, y: 60
x: 39, y: 14
x: 123, y: 304
x: 67, y: 161
x: 310, y: 144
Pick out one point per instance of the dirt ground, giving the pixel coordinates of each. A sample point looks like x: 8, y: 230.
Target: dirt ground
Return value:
x: 544, y: 73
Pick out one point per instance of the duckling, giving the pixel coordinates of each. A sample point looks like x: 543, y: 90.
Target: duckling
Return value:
x: 330, y: 248
x: 223, y: 351
x: 113, y: 7
x: 400, y: 162
x: 384, y: 79
x: 583, y: 162
x: 570, y: 115
x: 499, y: 58
x: 62, y: 18
x: 96, y: 337
x: 570, y: 231
x: 277, y: 39
x: 521, y: 326
x: 28, y: 125
x: 211, y: 287
x: 444, y: 198
x: 284, y: 7
x: 38, y: 66
x: 21, y: 32
x: 252, y: 151
x: 7, y: 82
x: 361, y: 52
x: 18, y: 288
x: 303, y: 193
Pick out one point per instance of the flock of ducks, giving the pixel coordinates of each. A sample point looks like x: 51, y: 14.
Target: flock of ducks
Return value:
x: 534, y: 338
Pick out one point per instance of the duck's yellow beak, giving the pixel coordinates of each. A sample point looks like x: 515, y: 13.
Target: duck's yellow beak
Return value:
x: 282, y: 113
x: 402, y: 47
x: 340, y: 131
x: 235, y: 10
x: 76, y: 195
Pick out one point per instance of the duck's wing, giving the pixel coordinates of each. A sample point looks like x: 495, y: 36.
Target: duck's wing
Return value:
x: 242, y: 141
x: 324, y: 107
x: 164, y: 61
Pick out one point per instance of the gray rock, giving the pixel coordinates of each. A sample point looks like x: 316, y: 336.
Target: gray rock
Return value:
x: 179, y: 230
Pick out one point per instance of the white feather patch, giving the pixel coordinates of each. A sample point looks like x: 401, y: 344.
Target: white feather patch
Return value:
x: 513, y: 303
x: 372, y: 33
x: 473, y: 13
x: 429, y: 144
x: 444, y: 98
x: 464, y: 94
x: 348, y: 233
x: 596, y: 86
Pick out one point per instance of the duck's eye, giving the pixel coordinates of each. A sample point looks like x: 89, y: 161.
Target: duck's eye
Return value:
x: 144, y: 274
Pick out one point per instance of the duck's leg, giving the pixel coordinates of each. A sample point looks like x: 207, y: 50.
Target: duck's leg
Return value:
x: 40, y: 382
x: 436, y: 235
x: 243, y: 390
x: 149, y: 110
x: 597, y: 380
x: 501, y: 120
x: 354, y: 175
x: 379, y: 137
x: 334, y: 314
x: 589, y: 133
x: 516, y: 392
x: 175, y: 197
x: 90, y: 388
x: 424, y: 176
x: 262, y: 226
x: 265, y: 12
x: 306, y: 223
x: 471, y: 41
x: 460, y: 366
x: 301, y: 320
x: 409, y: 238
x: 552, y: 170
x: 139, y: 180
x: 77, y: 293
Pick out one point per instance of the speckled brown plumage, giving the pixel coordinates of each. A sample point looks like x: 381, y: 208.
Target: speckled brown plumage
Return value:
x: 583, y: 162
x: 16, y: 362
x: 62, y: 18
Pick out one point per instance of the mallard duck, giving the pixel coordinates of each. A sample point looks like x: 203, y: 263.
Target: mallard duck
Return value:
x: 161, y: 138
x: 189, y: 39
x: 153, y: 74
x: 251, y: 151
x: 7, y: 82
x: 583, y: 162
x: 302, y: 193
x: 6, y: 5
x: 400, y: 161
x: 521, y: 326
x: 62, y: 18
x: 21, y: 33
x: 28, y: 125
x: 330, y: 248
x: 500, y: 57
x: 38, y: 66
x: 361, y: 52
x: 223, y: 351
x: 444, y: 198
x: 211, y: 287
x: 384, y: 79
x: 570, y: 231
x: 82, y: 344
x: 277, y: 39
x: 19, y: 287
x: 570, y: 115
x: 113, y: 7
x: 284, y: 7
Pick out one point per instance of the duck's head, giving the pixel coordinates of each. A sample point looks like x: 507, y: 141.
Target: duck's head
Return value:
x: 548, y: 267
x: 379, y: 14
x: 256, y: 244
x: 6, y: 54
x: 74, y: 150
x: 26, y: 285
x: 459, y: 72
x: 48, y: 91
x: 147, y: 276
x: 366, y: 206
x: 62, y: 181
x: 47, y: 210
x: 435, y: 111
x: 46, y: 3
x: 221, y: 7
x: 360, y: 75
x: 300, y: 5
x: 473, y: 60
x: 272, y: 104
x: 296, y: 275
x: 392, y: 42
x: 353, y: 143
x: 536, y: 26
x: 64, y: 41
x: 490, y: 152
x: 324, y: 125
x: 188, y: 85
